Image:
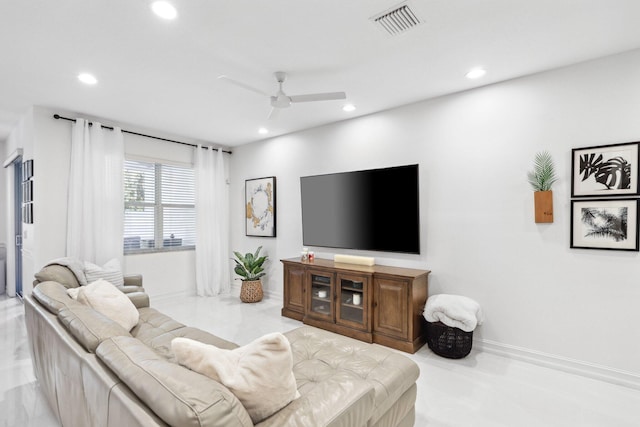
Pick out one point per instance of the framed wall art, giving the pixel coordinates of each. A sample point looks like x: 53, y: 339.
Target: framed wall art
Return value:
x: 605, y: 170
x: 605, y: 224
x: 260, y: 206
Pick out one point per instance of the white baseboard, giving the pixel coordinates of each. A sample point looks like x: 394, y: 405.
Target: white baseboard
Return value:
x: 579, y: 367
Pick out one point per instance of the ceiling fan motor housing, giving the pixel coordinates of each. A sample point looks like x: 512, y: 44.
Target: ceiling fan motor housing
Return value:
x: 280, y: 101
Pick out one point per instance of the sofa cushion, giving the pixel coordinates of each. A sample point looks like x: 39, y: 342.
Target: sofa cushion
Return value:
x: 259, y: 373
x: 58, y: 273
x: 88, y: 326
x: 318, y: 355
x: 156, y: 330
x: 177, y: 395
x: 152, y: 323
x: 338, y: 401
x: 53, y: 296
x: 108, y: 300
x: 110, y: 271
x: 161, y: 344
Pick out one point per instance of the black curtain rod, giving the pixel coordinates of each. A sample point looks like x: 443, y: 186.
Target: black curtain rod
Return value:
x: 59, y: 117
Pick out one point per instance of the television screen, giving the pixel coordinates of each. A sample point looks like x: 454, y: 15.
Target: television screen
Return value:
x: 376, y: 210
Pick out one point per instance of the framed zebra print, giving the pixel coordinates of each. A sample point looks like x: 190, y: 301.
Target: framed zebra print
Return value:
x: 605, y: 224
x: 605, y: 170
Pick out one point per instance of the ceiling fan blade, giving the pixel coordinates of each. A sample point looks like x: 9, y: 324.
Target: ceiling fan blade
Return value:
x: 242, y: 85
x: 329, y: 96
x: 273, y: 114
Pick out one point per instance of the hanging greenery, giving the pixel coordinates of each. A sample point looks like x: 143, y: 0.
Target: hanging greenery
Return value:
x: 543, y: 174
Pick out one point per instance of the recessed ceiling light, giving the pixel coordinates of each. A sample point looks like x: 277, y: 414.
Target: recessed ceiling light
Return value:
x: 88, y: 79
x: 476, y: 73
x: 263, y: 131
x: 164, y: 10
x: 349, y: 107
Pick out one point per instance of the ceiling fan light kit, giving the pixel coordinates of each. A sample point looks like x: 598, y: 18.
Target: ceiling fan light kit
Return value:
x: 281, y: 100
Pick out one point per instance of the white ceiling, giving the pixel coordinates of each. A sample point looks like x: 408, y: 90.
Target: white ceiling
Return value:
x: 162, y: 75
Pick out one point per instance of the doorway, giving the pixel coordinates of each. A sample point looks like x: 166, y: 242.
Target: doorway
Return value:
x: 17, y: 220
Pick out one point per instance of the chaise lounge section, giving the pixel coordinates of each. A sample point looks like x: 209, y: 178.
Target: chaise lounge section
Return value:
x: 94, y: 372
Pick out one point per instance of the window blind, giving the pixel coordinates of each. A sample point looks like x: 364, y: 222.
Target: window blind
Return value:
x: 159, y: 206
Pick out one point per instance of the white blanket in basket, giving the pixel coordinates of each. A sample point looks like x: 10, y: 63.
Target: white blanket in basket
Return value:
x: 455, y: 311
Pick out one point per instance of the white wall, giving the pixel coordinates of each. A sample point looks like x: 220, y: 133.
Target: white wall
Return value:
x: 478, y: 233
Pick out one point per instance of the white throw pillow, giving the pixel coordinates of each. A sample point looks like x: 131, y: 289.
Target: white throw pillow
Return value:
x: 259, y: 374
x: 105, y: 298
x: 110, y: 271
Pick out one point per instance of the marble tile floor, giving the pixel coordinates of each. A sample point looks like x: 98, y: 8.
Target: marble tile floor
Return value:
x: 481, y: 390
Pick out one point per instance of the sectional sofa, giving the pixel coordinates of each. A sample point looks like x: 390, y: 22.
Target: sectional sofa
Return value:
x: 95, y: 373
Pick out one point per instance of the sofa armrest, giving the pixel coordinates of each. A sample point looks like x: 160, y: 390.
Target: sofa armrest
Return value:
x: 179, y: 396
x: 133, y: 280
x: 130, y: 289
x: 139, y: 299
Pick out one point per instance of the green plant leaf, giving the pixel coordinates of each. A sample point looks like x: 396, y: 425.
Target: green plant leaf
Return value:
x: 249, y: 265
x: 543, y: 175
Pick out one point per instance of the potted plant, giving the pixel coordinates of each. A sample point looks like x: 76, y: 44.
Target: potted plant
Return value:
x: 249, y: 268
x: 541, y: 179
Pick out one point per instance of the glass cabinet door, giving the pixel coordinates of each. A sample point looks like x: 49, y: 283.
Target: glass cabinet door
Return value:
x: 353, y: 301
x: 321, y: 297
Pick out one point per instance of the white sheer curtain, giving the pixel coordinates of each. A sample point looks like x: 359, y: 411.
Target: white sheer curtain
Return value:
x: 212, y: 224
x: 95, y: 198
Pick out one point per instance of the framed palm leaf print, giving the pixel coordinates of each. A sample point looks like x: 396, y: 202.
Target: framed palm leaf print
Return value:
x: 605, y: 224
x: 605, y: 170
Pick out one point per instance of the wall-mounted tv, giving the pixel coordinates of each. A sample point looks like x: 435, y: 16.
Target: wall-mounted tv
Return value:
x: 375, y: 210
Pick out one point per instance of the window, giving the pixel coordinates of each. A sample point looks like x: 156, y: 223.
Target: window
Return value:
x: 159, y: 207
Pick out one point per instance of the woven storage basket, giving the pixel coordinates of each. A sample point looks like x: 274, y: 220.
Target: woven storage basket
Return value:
x: 251, y: 291
x: 445, y: 341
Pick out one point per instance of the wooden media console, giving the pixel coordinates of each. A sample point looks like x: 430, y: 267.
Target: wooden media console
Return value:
x: 378, y: 304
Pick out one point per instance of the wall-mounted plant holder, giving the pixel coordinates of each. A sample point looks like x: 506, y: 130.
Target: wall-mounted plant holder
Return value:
x: 541, y: 179
x: 543, y: 205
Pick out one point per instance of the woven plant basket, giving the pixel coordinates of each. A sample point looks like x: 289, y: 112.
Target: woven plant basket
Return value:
x: 251, y: 291
x: 445, y: 341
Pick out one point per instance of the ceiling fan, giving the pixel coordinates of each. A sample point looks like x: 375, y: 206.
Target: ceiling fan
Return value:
x: 281, y: 100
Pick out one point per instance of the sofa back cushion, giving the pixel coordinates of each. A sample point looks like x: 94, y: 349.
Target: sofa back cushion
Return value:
x: 88, y: 326
x: 53, y: 296
x: 156, y: 330
x: 178, y: 395
x: 58, y: 273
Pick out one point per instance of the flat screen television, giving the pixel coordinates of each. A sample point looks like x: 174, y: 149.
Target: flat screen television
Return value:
x: 375, y: 210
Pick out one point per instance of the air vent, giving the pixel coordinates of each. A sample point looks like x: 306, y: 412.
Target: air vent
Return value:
x: 396, y: 20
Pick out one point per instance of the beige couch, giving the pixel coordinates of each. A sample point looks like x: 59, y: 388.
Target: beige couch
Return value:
x: 95, y: 373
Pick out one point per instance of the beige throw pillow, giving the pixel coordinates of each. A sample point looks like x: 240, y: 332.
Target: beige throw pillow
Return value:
x: 259, y: 374
x: 105, y: 298
x: 110, y: 271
